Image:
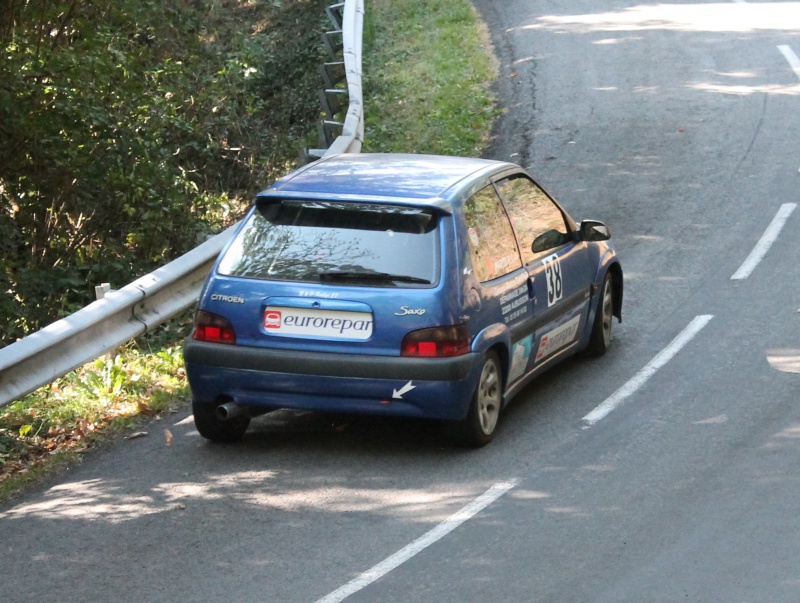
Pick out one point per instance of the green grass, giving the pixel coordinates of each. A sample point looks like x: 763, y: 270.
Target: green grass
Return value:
x: 427, y: 71
x: 50, y: 428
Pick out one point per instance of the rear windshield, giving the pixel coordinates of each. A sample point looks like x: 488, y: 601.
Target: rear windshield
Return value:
x: 359, y: 244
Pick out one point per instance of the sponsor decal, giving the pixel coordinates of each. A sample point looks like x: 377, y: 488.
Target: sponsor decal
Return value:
x: 519, y: 358
x: 304, y: 322
x: 559, y: 337
x: 515, y: 314
x: 231, y: 299
x: 521, y: 290
x: 405, y: 311
x: 272, y: 319
x: 322, y: 294
x: 473, y: 237
x: 552, y: 275
x: 514, y: 303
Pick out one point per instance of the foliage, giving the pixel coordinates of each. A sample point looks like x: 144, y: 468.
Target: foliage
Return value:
x: 448, y: 111
x: 428, y: 68
x: 130, y: 129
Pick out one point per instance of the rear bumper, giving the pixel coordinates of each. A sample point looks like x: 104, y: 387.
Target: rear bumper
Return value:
x: 438, y: 388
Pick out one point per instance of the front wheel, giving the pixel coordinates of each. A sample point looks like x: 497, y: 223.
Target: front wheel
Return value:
x: 215, y: 429
x: 600, y: 339
x: 484, y: 410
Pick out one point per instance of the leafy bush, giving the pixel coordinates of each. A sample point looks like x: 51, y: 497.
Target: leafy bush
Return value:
x: 130, y: 129
x: 404, y: 113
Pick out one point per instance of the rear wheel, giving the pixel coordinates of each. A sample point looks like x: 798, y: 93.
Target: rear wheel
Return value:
x: 215, y: 429
x: 484, y: 410
x: 600, y: 339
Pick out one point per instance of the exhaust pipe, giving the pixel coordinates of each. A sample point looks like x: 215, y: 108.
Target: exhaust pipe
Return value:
x: 229, y: 410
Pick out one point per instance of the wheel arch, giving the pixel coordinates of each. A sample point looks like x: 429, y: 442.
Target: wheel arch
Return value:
x: 615, y: 270
x: 504, y: 357
x: 497, y: 339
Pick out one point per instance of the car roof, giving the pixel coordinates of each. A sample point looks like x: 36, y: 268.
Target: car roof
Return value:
x: 410, y: 177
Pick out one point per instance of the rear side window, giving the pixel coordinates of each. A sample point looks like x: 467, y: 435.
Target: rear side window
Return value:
x: 491, y: 241
x: 360, y: 244
x: 532, y: 212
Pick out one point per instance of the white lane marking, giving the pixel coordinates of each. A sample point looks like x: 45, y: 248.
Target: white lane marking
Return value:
x: 639, y: 379
x: 421, y: 543
x: 767, y: 239
x: 794, y: 61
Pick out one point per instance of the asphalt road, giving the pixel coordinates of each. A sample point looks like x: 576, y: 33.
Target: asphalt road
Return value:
x: 677, y: 125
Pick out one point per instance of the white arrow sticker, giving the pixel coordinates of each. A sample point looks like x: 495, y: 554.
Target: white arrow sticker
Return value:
x: 398, y: 394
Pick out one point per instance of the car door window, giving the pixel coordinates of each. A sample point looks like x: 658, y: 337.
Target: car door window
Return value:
x: 533, y: 213
x: 492, y: 245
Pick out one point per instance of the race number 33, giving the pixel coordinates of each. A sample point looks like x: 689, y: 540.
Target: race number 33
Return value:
x: 552, y: 274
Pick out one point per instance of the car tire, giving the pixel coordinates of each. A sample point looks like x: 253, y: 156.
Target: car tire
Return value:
x: 216, y: 430
x: 484, y: 410
x: 600, y: 338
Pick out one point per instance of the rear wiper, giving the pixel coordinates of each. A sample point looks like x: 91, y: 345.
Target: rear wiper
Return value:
x: 341, y: 275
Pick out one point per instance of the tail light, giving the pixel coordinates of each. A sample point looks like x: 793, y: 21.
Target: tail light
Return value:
x: 438, y: 342
x: 212, y: 328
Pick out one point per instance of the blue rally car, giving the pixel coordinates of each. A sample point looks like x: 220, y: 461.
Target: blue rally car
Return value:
x: 405, y: 285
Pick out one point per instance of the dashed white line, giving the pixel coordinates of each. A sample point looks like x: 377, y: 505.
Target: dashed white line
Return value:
x: 421, y: 543
x: 794, y: 61
x: 639, y: 379
x: 767, y: 239
x: 612, y: 402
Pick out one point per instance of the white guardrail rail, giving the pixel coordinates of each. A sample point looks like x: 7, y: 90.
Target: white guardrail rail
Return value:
x: 121, y: 315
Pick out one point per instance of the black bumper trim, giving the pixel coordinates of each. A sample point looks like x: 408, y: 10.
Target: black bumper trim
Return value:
x: 327, y: 364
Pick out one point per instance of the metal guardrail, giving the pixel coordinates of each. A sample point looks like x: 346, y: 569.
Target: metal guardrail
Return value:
x: 352, y: 33
x: 121, y: 315
x: 348, y: 18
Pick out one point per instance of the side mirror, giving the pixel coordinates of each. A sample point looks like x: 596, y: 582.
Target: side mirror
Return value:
x: 593, y: 230
x: 548, y: 240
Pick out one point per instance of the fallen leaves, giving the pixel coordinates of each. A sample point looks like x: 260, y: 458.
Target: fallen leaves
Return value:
x: 144, y: 408
x: 72, y: 414
x: 33, y: 450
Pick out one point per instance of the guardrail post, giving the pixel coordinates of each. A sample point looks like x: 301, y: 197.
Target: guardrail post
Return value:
x: 101, y: 290
x: 332, y: 73
x: 335, y: 13
x: 333, y: 43
x: 100, y: 293
x: 333, y: 101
